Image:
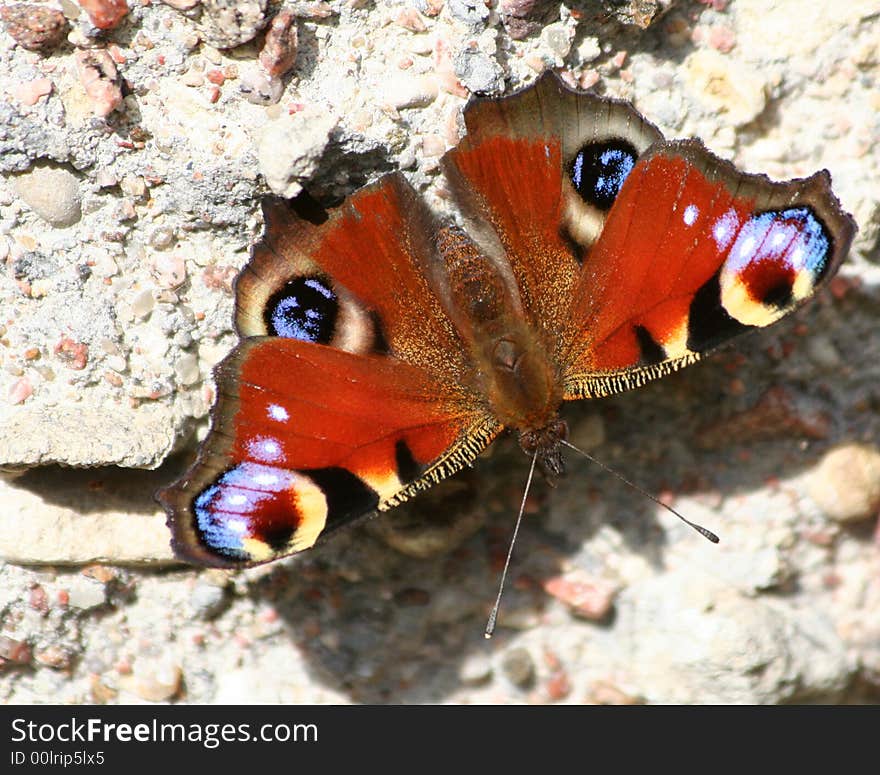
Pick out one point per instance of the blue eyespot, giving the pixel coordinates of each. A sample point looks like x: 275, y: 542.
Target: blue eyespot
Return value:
x: 598, y: 171
x: 305, y: 308
x: 246, y: 501
x: 793, y: 238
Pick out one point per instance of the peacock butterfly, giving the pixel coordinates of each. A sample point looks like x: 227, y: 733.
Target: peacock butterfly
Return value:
x: 383, y: 348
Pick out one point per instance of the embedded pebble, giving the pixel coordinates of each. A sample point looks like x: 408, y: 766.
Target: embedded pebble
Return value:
x: 219, y: 278
x: 846, y: 483
x: 722, y: 38
x: 106, y: 178
x: 74, y: 355
x: 21, y: 391
x: 154, y: 681
x: 104, y: 266
x: 143, y: 304
x: 208, y: 600
x: 639, y: 12
x: 433, y: 145
x: 558, y: 686
x: 821, y: 351
x: 585, y: 596
x: 187, y: 369
x: 558, y: 37
x: 30, y: 92
x: 475, y: 669
x: 169, y: 269
x: 98, y: 75
x: 229, y: 23
x: 409, y: 19
x: 690, y: 635
x: 18, y: 652
x: 406, y: 91
x: 291, y: 147
x: 607, y: 693
x: 259, y: 87
x: 194, y: 77
x: 182, y: 5
x: 429, y: 7
x: 34, y: 27
x: 52, y: 192
x: 588, y: 50
x: 479, y: 72
x: 162, y: 237
x: 472, y: 12
x: 522, y: 17
x: 54, y: 657
x: 518, y: 667
x: 104, y: 14
x: 133, y: 185
x: 279, y: 49
x: 211, y: 354
x: 85, y: 594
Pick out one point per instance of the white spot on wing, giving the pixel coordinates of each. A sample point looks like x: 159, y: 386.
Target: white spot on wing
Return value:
x: 279, y: 413
x: 724, y: 229
x: 747, y: 247
x: 690, y: 215
x: 264, y: 449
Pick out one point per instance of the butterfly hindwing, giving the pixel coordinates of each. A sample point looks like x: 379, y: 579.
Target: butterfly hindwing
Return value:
x: 307, y: 438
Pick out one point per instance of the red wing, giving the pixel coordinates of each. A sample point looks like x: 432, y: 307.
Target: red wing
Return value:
x: 374, y: 253
x: 310, y: 439
x: 692, y: 253
x: 511, y: 179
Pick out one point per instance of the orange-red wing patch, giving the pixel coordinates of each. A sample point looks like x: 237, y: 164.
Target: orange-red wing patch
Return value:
x: 693, y: 253
x: 312, y: 439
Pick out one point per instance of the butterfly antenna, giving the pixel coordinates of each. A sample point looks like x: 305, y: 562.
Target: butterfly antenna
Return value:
x: 493, y: 617
x: 708, y: 534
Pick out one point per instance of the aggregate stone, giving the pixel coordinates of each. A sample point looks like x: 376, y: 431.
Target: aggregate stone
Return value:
x: 52, y: 192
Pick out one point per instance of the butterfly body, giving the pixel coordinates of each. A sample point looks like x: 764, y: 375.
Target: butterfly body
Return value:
x: 383, y: 347
x: 512, y: 367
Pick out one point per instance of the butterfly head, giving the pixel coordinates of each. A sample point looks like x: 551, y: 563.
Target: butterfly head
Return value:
x: 545, y: 445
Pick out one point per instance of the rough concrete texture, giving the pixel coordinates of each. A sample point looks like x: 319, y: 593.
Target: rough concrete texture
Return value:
x: 116, y: 302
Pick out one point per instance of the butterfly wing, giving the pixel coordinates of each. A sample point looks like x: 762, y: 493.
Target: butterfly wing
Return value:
x: 374, y: 255
x: 346, y: 396
x: 693, y: 253
x: 305, y: 438
x: 633, y: 255
x: 512, y: 176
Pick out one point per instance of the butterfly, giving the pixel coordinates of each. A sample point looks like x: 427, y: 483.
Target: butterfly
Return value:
x: 383, y: 347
